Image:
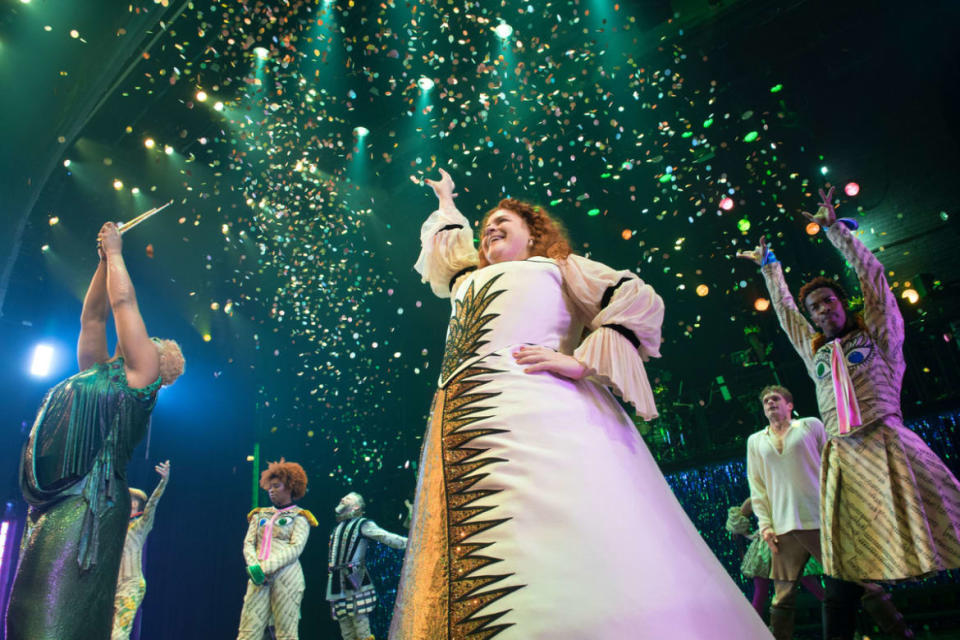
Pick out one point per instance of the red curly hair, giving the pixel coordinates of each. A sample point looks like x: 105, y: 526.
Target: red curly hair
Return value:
x: 290, y: 474
x: 549, y: 236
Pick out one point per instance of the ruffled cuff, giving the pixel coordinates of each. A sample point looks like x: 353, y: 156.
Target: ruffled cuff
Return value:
x: 446, y: 248
x: 613, y: 361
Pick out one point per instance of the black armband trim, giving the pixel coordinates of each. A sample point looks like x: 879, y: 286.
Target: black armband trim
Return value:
x: 608, y: 294
x: 450, y: 227
x: 462, y: 272
x: 626, y: 333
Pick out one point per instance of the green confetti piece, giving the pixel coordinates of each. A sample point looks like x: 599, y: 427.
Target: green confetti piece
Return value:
x: 750, y: 137
x: 593, y: 212
x: 777, y: 88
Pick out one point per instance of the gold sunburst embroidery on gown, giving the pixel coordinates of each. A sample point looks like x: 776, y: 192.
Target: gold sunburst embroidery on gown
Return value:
x: 452, y: 614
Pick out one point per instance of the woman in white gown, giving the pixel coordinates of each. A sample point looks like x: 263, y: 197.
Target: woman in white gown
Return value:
x: 539, y: 511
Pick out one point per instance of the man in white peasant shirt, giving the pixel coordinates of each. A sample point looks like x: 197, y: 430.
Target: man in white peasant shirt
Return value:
x: 783, y: 468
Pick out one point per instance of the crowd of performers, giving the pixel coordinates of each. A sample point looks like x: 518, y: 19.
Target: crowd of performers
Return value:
x: 539, y: 511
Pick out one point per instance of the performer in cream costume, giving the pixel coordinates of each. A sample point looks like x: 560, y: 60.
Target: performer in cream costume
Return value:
x: 275, y: 539
x: 539, y: 511
x: 131, y: 586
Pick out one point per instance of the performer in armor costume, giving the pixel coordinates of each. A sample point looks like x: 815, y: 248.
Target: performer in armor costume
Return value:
x: 73, y: 468
x: 131, y: 586
x: 350, y: 590
x: 889, y: 507
x: 527, y: 451
x: 275, y: 539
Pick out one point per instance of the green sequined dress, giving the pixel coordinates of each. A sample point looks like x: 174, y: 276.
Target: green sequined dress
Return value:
x: 73, y: 475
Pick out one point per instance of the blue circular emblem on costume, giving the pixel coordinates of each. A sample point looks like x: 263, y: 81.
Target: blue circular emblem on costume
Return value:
x: 263, y: 521
x: 858, y: 355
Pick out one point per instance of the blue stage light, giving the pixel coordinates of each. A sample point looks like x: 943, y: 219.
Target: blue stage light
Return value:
x: 42, y: 360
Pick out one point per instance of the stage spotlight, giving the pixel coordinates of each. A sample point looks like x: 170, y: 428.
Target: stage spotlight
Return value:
x: 66, y: 162
x: 503, y: 30
x: 218, y: 106
x: 824, y: 170
x: 53, y: 220
x: 167, y: 149
x: 761, y: 304
x: 149, y: 143
x: 42, y: 360
x: 261, y: 52
x: 911, y: 296
x: 207, y: 337
x: 851, y: 189
x: 118, y: 185
x: 425, y: 83
x: 201, y: 96
x: 361, y: 131
x: 726, y: 203
x: 135, y: 191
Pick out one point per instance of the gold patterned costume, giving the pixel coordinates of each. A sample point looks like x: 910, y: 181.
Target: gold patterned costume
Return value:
x: 539, y: 512
x: 279, y: 596
x: 889, y: 507
x: 131, y: 586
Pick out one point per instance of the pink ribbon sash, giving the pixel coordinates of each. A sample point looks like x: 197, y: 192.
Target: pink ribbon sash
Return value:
x: 268, y: 533
x: 848, y: 409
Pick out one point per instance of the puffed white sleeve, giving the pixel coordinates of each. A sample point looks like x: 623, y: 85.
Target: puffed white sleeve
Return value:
x: 624, y: 316
x: 446, y: 250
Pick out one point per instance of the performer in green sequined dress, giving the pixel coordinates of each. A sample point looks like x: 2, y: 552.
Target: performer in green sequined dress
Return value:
x: 73, y: 468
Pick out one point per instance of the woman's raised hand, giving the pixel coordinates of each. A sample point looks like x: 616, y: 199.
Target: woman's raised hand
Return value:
x: 758, y: 255
x: 444, y: 187
x: 108, y: 240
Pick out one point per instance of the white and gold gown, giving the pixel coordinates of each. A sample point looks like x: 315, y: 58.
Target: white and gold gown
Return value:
x: 539, y: 511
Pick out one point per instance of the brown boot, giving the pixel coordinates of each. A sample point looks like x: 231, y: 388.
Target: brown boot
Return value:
x: 781, y: 622
x: 881, y: 608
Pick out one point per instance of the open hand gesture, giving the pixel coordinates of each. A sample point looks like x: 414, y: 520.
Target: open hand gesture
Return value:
x: 826, y: 215
x: 444, y: 187
x: 163, y: 469
x: 758, y: 255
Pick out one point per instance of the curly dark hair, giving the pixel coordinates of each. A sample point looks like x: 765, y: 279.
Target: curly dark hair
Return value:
x: 290, y: 474
x: 821, y: 282
x: 549, y: 236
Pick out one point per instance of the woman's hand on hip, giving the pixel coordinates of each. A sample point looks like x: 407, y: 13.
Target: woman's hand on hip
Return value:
x: 536, y: 359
